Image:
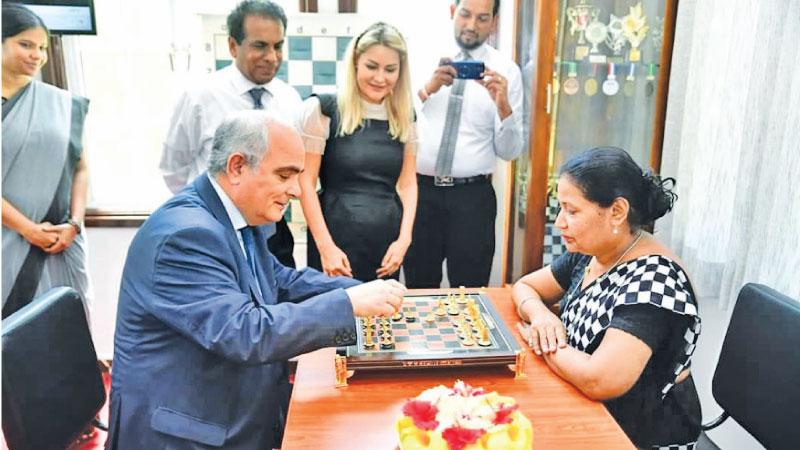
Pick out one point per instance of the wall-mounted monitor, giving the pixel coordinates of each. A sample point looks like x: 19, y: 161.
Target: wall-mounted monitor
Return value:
x: 65, y: 16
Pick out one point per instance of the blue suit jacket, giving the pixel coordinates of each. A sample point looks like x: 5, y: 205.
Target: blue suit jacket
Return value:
x: 199, y: 353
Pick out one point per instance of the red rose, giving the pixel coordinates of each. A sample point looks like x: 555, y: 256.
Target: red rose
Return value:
x: 458, y: 438
x: 422, y: 413
x: 503, y: 415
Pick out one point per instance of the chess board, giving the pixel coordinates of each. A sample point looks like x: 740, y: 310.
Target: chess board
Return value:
x: 423, y: 339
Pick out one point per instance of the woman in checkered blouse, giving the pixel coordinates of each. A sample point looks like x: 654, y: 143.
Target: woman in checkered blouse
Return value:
x: 628, y: 315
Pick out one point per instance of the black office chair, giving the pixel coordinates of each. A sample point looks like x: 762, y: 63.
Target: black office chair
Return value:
x: 757, y: 379
x: 52, y: 385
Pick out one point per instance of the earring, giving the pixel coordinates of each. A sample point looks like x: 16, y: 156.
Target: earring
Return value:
x: 615, y: 230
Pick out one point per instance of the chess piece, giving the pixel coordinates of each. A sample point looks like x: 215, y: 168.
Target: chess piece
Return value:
x: 410, y: 318
x: 453, y: 310
x: 398, y: 316
x: 468, y: 341
x: 462, y: 299
x: 440, y: 310
x: 484, y: 339
x: 369, y: 344
x: 430, y: 318
x: 387, y: 343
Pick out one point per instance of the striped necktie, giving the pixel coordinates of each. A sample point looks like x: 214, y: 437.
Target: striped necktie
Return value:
x: 447, y: 148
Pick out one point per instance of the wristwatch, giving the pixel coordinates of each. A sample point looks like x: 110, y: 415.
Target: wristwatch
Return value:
x: 75, y: 225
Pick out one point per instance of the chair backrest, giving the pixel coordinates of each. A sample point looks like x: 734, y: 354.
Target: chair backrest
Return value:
x: 52, y: 386
x: 757, y: 380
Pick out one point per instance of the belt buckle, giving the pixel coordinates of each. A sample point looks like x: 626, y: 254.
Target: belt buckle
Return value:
x: 443, y: 180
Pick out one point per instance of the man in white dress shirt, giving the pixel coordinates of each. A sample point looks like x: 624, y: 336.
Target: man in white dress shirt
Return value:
x: 256, y: 34
x: 469, y: 124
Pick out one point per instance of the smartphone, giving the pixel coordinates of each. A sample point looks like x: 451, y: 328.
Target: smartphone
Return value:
x: 468, y: 70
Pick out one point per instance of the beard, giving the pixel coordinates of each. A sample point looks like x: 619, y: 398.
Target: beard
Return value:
x: 477, y: 42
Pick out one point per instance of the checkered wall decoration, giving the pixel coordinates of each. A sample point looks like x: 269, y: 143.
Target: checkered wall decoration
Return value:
x: 553, y: 246
x: 311, y: 64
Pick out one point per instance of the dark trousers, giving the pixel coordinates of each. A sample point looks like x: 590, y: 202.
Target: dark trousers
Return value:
x: 455, y: 223
x: 281, y: 244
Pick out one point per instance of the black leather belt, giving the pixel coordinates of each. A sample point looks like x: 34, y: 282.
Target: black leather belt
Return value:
x: 454, y: 181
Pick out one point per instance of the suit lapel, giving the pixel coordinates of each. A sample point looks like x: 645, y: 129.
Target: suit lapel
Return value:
x: 209, y: 196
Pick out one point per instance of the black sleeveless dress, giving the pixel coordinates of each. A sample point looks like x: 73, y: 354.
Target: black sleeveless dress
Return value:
x: 358, y: 177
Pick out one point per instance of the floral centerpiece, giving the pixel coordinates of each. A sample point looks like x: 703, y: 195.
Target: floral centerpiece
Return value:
x: 463, y: 418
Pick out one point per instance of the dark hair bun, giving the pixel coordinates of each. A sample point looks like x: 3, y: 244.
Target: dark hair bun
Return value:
x: 658, y: 198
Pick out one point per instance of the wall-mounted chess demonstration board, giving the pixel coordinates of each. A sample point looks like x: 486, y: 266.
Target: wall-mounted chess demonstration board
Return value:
x: 434, y: 331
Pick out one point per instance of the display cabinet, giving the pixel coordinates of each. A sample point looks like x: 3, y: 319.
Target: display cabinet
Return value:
x: 596, y: 74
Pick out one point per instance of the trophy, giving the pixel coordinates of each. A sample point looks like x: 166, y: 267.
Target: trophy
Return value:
x: 579, y: 17
x: 596, y: 33
x: 615, y: 40
x: 634, y: 27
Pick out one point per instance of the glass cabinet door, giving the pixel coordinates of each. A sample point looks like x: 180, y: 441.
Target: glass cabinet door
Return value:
x: 605, y: 73
x: 603, y: 69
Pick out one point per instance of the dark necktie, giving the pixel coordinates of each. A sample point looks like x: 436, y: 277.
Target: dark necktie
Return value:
x: 256, y: 94
x: 249, y: 239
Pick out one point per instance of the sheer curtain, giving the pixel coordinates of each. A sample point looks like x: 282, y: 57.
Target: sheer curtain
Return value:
x: 732, y: 141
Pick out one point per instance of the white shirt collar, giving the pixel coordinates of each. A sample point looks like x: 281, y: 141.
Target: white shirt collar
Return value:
x: 237, y: 219
x: 242, y: 85
x: 477, y: 54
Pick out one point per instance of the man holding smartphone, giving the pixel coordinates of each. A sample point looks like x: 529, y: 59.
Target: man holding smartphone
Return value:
x: 470, y: 122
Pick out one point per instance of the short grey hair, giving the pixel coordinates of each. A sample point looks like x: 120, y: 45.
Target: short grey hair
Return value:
x: 244, y: 132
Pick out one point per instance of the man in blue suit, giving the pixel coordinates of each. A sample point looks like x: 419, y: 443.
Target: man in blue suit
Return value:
x: 207, y: 317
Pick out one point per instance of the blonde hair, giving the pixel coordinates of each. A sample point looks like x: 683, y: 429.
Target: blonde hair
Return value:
x: 399, y: 105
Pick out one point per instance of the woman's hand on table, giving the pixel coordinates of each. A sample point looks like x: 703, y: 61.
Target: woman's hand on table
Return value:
x: 546, y: 332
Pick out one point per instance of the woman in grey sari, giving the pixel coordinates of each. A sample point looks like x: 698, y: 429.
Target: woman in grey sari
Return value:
x: 45, y: 177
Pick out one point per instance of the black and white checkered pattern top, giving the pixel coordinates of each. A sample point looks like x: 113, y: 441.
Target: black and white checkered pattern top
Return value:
x: 651, y: 279
x: 650, y: 413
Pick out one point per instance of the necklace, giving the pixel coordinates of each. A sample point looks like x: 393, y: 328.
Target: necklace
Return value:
x: 627, y: 250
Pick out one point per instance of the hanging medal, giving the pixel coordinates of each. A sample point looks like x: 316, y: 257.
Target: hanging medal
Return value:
x: 611, y: 86
x: 630, y: 80
x: 650, y: 87
x: 590, y: 87
x: 634, y: 27
x: 571, y: 85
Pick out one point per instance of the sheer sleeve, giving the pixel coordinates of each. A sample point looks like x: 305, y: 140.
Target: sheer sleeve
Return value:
x: 316, y: 126
x: 413, y: 140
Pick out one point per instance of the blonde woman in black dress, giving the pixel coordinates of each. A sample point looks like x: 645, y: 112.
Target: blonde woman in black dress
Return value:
x: 361, y: 146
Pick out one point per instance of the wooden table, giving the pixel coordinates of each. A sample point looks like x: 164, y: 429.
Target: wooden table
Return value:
x: 362, y: 415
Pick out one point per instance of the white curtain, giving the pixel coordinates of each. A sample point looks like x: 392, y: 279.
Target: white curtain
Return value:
x: 732, y: 141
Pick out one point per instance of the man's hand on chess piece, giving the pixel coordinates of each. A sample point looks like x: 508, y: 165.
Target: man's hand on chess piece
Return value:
x: 376, y: 298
